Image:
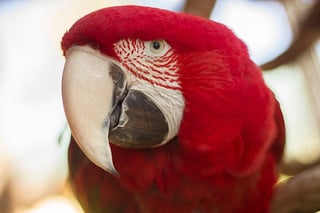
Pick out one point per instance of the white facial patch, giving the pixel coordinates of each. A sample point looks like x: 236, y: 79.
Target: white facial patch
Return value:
x: 159, y: 68
x: 154, y: 72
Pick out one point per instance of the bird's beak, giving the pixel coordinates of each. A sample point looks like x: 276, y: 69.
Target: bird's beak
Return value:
x: 100, y: 106
x: 87, y: 93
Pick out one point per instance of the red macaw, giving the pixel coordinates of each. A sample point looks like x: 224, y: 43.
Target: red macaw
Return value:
x: 168, y: 114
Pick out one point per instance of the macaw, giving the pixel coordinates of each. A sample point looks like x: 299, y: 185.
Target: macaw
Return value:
x: 168, y: 114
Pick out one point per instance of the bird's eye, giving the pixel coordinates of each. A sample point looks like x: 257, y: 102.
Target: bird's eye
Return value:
x: 157, y: 46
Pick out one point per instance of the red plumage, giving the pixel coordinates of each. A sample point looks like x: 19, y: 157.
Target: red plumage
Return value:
x: 231, y: 134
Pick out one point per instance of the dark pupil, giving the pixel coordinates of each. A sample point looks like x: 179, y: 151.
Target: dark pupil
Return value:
x: 156, y: 45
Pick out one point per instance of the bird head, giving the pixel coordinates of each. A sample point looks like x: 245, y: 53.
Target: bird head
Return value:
x: 132, y: 75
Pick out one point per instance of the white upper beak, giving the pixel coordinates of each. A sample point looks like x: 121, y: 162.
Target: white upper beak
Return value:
x: 87, y: 92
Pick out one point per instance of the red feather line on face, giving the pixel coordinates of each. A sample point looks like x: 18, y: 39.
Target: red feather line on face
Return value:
x: 159, y: 70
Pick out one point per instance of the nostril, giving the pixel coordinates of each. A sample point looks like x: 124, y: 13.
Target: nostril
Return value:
x: 94, y: 45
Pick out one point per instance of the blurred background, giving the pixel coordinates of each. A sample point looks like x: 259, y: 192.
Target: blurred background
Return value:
x: 33, y: 140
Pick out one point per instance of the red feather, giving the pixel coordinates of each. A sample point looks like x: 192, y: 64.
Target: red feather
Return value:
x: 231, y: 136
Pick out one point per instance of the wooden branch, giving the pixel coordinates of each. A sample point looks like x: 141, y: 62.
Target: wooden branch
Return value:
x: 298, y: 194
x: 307, y: 34
x: 6, y: 205
x: 294, y: 167
x: 201, y: 8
